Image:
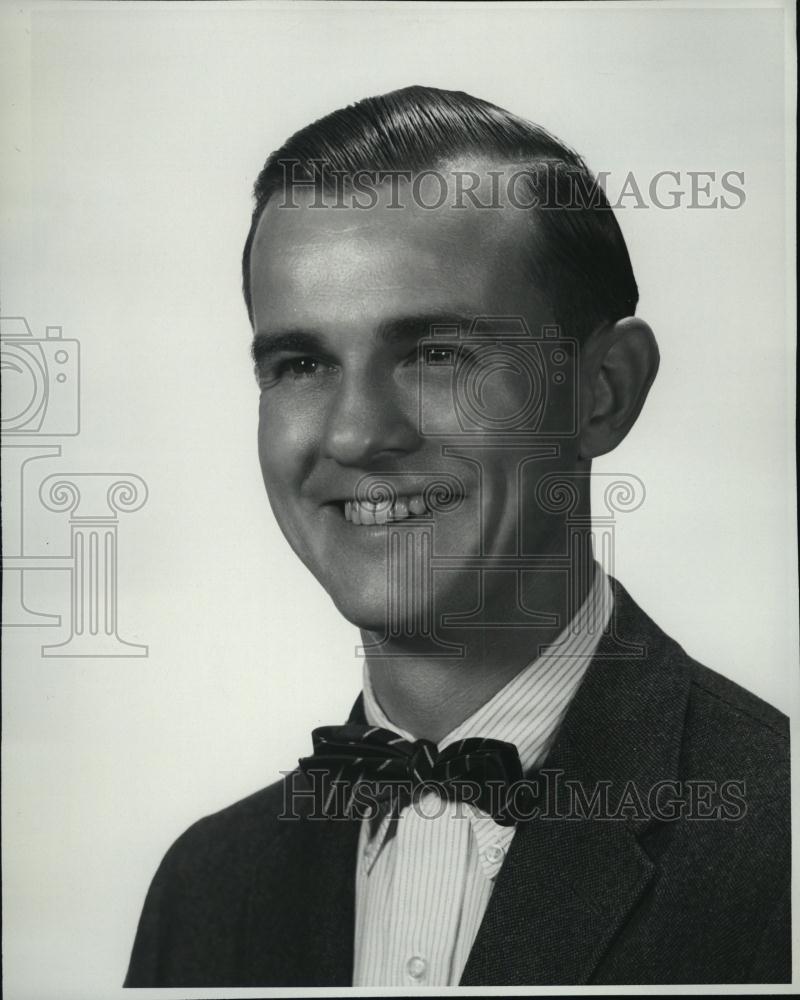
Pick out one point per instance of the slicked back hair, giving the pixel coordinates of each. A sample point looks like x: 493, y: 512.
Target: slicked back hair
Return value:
x: 576, y: 255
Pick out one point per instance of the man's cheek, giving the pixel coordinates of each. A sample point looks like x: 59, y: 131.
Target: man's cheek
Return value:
x: 279, y: 465
x: 277, y: 461
x: 281, y: 439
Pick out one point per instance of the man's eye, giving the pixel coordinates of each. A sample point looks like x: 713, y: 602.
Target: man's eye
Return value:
x: 301, y: 366
x: 290, y: 370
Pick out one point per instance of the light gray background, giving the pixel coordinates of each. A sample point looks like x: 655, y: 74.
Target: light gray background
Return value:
x: 131, y: 139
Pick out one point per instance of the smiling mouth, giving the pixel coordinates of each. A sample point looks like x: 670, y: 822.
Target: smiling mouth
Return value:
x: 363, y: 512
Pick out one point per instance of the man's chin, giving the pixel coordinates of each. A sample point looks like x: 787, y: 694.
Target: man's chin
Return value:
x: 366, y: 613
x: 405, y: 617
x: 375, y: 622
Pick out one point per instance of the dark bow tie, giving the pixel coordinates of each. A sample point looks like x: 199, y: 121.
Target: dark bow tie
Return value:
x: 478, y: 771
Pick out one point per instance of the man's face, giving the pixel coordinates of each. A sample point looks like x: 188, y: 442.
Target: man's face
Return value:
x: 341, y: 298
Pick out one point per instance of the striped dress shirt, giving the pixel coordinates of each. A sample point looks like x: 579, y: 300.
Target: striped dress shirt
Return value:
x: 422, y: 893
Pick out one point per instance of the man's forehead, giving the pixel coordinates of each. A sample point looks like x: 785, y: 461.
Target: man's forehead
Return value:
x: 313, y: 238
x: 401, y: 211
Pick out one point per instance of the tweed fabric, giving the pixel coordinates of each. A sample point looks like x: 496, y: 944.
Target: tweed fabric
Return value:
x: 245, y: 899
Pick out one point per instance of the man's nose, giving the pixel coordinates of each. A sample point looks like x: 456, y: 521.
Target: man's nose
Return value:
x: 367, y: 422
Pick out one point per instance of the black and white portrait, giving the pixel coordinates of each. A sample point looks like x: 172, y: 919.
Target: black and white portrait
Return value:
x: 399, y: 541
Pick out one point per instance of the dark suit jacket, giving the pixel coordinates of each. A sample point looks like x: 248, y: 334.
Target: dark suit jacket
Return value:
x: 243, y: 899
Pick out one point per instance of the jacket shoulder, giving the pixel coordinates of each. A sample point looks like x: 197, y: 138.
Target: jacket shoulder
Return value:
x: 711, y: 696
x: 189, y: 932
x: 733, y: 735
x: 727, y: 732
x: 711, y: 688
x: 237, y: 830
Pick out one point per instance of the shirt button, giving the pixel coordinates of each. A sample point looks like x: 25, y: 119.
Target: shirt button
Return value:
x: 416, y: 966
x: 494, y: 854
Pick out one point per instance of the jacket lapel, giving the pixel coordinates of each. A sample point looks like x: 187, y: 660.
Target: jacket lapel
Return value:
x: 569, y: 884
x: 562, y: 894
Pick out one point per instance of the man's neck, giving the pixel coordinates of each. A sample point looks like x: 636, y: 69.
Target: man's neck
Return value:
x: 428, y: 695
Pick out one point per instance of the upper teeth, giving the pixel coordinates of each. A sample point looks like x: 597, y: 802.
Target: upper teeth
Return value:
x: 365, y: 512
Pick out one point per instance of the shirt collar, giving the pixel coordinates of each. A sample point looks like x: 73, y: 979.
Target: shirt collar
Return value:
x: 526, y: 711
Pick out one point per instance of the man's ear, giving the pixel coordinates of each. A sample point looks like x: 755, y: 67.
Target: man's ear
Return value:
x: 618, y: 366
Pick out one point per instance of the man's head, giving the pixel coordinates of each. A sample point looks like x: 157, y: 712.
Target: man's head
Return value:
x: 352, y: 259
x: 574, y: 248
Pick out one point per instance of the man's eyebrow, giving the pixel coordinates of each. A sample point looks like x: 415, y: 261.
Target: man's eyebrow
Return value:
x: 417, y: 325
x: 265, y: 345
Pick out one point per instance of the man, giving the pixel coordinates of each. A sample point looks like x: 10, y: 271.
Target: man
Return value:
x: 444, y: 336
